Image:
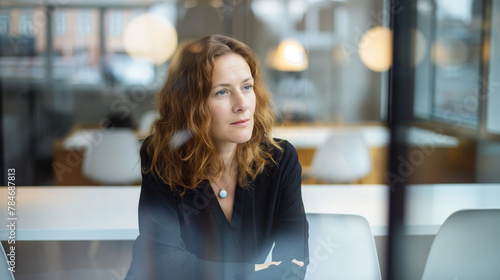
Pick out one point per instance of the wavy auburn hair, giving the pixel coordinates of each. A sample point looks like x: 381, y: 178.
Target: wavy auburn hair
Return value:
x: 181, y: 148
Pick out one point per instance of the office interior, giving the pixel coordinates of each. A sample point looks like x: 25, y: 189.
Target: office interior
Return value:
x: 403, y: 137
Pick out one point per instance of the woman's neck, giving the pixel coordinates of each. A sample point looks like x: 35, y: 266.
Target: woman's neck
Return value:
x: 227, y: 153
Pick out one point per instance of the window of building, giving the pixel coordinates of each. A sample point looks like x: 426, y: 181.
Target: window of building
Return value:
x: 115, y: 23
x: 26, y: 23
x: 84, y: 23
x: 4, y: 24
x: 60, y: 23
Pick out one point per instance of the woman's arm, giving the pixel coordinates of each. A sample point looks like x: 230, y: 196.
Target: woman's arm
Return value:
x: 266, y: 265
x: 262, y: 266
x: 290, y: 230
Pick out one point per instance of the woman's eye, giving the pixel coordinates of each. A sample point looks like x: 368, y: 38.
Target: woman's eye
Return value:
x: 247, y: 87
x: 220, y: 93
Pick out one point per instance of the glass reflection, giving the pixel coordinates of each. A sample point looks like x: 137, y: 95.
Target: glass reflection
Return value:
x: 455, y: 54
x: 76, y: 46
x: 22, y: 43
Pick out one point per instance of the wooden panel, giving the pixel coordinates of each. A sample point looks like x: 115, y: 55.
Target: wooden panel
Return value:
x: 376, y: 175
x: 445, y: 165
x: 379, y: 166
x: 67, y: 167
x: 439, y: 165
x: 305, y: 156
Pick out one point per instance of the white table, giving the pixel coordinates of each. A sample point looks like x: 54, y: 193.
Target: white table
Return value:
x: 73, y: 213
x: 428, y: 206
x: 110, y: 213
x: 375, y: 136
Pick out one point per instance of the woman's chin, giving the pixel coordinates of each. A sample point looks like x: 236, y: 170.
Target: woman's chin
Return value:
x: 242, y: 138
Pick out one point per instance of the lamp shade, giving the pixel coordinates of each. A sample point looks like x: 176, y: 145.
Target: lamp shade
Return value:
x: 375, y: 49
x: 150, y: 36
x: 290, y: 56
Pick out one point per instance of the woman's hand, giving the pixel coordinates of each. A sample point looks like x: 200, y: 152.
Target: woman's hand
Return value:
x: 299, y: 263
x: 266, y: 265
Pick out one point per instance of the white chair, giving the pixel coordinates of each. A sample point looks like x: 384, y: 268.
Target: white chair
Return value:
x: 467, y: 246
x: 147, y: 120
x: 343, y: 158
x: 5, y: 273
x: 341, y: 246
x: 114, y: 159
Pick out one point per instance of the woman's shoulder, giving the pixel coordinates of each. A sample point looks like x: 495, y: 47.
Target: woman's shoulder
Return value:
x: 144, y: 150
x: 286, y: 153
x: 285, y: 165
x: 146, y: 142
x: 284, y: 144
x: 148, y: 178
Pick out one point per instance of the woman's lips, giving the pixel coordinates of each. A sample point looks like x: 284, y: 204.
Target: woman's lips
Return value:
x: 241, y: 123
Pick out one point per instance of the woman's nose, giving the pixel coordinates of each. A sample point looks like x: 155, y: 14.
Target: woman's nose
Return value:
x: 240, y: 102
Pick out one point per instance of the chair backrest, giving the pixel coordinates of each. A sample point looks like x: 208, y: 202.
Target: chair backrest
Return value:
x: 467, y: 246
x: 115, y: 159
x: 341, y: 246
x: 5, y: 273
x: 147, y: 120
x: 343, y: 158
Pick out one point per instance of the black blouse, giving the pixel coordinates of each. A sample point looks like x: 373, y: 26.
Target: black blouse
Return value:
x: 189, y: 237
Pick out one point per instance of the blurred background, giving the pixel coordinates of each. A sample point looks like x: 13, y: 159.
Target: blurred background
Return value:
x: 71, y: 70
x: 72, y: 64
x: 65, y: 64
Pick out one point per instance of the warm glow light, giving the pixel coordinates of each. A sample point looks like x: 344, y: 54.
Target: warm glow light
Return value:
x: 450, y: 52
x: 421, y: 47
x: 289, y: 56
x: 150, y: 36
x: 375, y: 49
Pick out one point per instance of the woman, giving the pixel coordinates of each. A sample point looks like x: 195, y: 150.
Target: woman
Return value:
x: 217, y: 189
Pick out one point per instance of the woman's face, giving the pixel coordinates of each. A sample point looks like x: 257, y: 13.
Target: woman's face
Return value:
x: 231, y: 101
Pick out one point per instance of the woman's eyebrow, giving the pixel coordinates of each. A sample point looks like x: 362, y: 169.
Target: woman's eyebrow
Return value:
x: 247, y: 80
x: 225, y: 84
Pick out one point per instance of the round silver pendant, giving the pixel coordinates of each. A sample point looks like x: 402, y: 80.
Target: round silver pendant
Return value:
x: 223, y: 193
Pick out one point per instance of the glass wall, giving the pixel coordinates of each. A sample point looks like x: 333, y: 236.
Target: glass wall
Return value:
x: 448, y: 172
x: 456, y: 54
x: 71, y: 69
x: 493, y: 50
